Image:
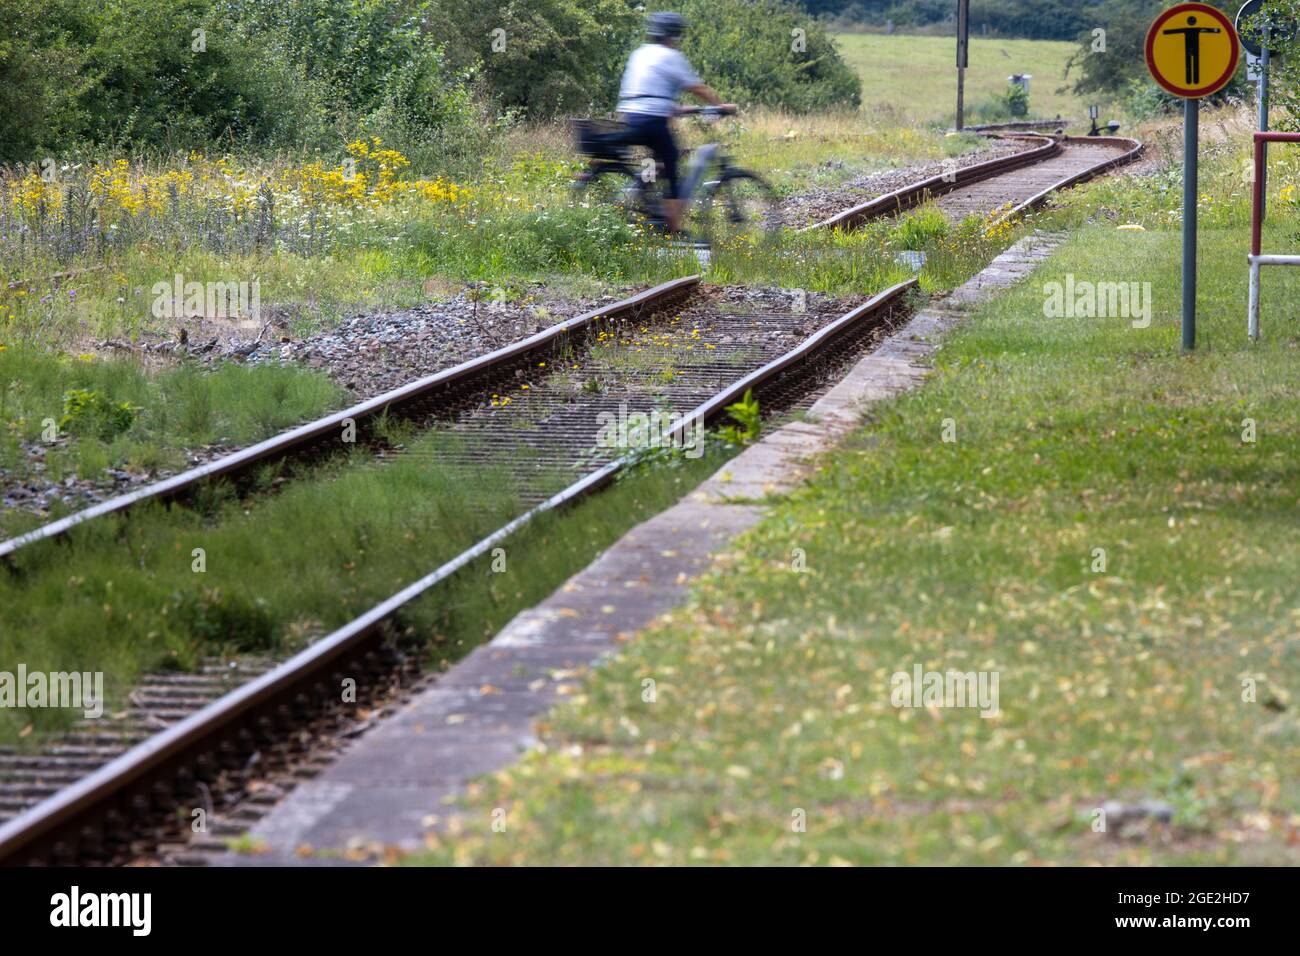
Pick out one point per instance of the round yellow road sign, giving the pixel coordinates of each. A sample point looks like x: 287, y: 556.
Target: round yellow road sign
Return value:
x: 1192, y: 50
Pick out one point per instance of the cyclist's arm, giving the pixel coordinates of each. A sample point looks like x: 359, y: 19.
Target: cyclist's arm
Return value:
x: 705, y: 92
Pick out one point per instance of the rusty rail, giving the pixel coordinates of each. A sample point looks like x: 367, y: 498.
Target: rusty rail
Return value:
x: 312, y: 435
x: 52, y: 830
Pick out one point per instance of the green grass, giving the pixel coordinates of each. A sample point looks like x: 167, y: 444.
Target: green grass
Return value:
x: 1072, y: 435
x: 126, y: 595
x: 797, y: 154
x: 521, y: 227
x: 866, y: 259
x: 178, y: 407
x: 914, y: 78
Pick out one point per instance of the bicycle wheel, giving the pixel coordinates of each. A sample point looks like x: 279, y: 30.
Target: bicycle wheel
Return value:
x: 740, y: 207
x: 613, y: 185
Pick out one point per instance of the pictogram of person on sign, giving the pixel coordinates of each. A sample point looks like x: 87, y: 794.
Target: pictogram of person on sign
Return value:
x: 1192, y: 39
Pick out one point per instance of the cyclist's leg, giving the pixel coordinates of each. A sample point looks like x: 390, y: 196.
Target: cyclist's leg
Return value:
x: 666, y: 153
x: 654, y: 133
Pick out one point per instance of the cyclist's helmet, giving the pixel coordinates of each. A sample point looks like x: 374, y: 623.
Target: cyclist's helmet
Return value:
x: 665, y: 26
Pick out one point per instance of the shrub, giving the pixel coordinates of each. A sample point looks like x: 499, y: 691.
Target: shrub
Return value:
x: 87, y: 411
x: 920, y: 229
x: 43, y: 76
x: 767, y: 52
x: 1017, y: 99
x: 554, y: 56
x: 182, y: 73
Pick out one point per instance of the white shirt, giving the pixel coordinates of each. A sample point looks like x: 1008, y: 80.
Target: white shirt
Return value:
x: 654, y: 78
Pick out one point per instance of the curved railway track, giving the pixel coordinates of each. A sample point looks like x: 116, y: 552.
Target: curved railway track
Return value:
x: 1008, y: 186
x: 111, y: 795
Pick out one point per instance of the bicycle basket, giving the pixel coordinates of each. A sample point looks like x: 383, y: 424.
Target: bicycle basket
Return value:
x: 600, y: 138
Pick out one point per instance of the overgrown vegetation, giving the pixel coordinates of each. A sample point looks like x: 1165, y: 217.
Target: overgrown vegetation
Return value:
x: 1109, y: 531
x: 433, y: 78
x: 764, y: 52
x: 88, y: 414
x: 140, y: 596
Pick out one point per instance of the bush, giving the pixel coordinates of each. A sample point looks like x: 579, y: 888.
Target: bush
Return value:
x: 43, y: 77
x: 262, y: 73
x: 767, y: 52
x: 1017, y: 99
x: 554, y: 56
x: 88, y: 412
x: 1284, y: 71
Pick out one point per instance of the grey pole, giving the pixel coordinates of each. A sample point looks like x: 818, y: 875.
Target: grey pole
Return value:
x: 1263, y: 113
x: 1191, y: 120
x: 961, y: 98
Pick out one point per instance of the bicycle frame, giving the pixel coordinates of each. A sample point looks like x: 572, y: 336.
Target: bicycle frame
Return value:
x: 689, y: 186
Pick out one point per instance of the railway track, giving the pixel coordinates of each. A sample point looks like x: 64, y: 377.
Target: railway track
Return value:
x: 1006, y: 187
x: 270, y: 722
x: 112, y: 793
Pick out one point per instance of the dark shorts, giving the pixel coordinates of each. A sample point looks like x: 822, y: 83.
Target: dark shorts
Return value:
x: 654, y: 133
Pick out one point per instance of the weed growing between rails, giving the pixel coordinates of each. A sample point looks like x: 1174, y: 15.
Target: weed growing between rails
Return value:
x: 166, y: 587
x: 267, y: 579
x: 870, y: 256
x: 473, y: 606
x: 1068, y: 506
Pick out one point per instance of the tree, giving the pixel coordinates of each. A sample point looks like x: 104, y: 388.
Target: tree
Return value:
x: 1284, y: 71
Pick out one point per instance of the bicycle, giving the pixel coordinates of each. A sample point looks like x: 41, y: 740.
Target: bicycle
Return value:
x: 723, y: 201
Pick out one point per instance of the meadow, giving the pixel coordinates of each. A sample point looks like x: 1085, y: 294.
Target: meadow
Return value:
x: 913, y: 79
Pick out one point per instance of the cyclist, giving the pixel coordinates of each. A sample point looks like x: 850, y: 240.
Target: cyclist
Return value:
x: 657, y: 73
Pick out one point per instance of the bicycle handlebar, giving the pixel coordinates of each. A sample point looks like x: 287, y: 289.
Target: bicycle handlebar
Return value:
x: 705, y: 111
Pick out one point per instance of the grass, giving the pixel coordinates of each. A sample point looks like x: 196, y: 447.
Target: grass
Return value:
x: 185, y: 406
x: 322, y: 256
x: 866, y: 258
x: 1164, y: 668
x: 182, y: 406
x: 921, y: 71
x: 272, y: 574
x: 400, y: 257
x: 318, y: 252
x: 820, y: 151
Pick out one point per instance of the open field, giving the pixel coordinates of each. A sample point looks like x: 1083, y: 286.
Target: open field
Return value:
x: 914, y: 78
x: 1111, y: 532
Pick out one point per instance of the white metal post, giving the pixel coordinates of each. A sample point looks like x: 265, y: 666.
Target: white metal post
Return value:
x: 1253, y: 320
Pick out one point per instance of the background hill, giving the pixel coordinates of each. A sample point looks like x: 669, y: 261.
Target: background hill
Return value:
x: 1031, y: 19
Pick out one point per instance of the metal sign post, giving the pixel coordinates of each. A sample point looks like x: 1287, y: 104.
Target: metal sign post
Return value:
x: 1262, y: 103
x: 1191, y: 173
x: 1192, y: 51
x: 963, y: 57
x: 1274, y: 28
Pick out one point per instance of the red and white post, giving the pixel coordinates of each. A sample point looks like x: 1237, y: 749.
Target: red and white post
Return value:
x: 1257, y: 258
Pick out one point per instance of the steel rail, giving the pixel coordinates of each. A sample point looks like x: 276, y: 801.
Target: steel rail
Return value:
x: 299, y: 439
x: 917, y: 193
x: 1133, y: 149
x: 35, y: 833
x: 52, y: 820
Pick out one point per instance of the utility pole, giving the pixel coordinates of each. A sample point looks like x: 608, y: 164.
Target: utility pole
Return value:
x: 963, y: 58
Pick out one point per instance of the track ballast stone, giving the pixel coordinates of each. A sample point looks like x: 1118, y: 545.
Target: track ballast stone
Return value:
x: 393, y: 784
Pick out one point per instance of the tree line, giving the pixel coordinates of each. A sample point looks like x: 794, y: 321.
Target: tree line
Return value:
x: 435, y: 78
